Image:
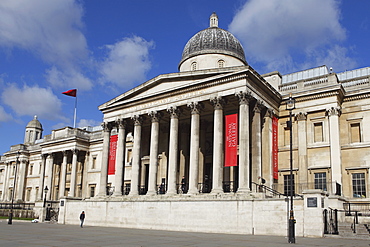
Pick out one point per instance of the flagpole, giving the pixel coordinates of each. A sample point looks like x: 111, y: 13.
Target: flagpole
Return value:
x: 75, y: 113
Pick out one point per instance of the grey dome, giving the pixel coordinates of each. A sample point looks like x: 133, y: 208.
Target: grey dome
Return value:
x: 34, y: 123
x: 213, y: 40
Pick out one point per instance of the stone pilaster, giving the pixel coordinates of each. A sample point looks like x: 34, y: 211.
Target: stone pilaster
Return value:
x: 138, y: 120
x: 334, y: 138
x: 218, y: 152
x: 301, y: 117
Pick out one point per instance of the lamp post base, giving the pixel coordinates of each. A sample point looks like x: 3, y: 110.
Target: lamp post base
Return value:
x: 10, y: 221
x: 291, y: 238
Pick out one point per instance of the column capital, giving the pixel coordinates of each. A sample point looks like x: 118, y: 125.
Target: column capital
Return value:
x: 174, y: 111
x: 195, y: 107
x: 301, y: 116
x: 107, y: 127
x: 75, y: 151
x: 218, y: 102
x: 258, y: 106
x: 270, y: 113
x: 65, y: 152
x: 244, y: 97
x: 334, y: 111
x: 155, y: 116
x: 121, y: 123
x: 138, y: 120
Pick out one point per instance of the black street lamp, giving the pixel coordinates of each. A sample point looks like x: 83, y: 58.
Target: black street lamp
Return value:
x: 290, y: 105
x: 45, y: 193
x: 10, y: 221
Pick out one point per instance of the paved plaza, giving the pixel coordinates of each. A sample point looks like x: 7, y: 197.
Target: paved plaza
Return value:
x: 45, y: 234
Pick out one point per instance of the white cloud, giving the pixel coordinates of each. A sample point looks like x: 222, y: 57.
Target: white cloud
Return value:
x: 278, y: 32
x: 88, y: 122
x: 50, y: 29
x: 30, y: 101
x: 68, y: 79
x: 127, y: 62
x: 4, y: 117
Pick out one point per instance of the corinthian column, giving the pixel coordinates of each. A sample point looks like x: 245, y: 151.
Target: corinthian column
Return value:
x: 257, y: 142
x: 42, y: 181
x: 218, y: 141
x: 22, y: 176
x: 194, y: 147
x: 335, y: 154
x: 104, y: 163
x: 62, y: 185
x: 120, y: 157
x: 49, y: 169
x: 153, y: 159
x: 173, y: 152
x: 244, y: 165
x: 72, y: 188
x: 136, y: 156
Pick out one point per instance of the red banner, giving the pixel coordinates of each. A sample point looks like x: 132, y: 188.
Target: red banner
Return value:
x: 112, y: 155
x: 275, y: 167
x: 231, y: 140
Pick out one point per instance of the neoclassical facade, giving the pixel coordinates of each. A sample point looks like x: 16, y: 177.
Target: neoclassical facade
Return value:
x: 171, y: 136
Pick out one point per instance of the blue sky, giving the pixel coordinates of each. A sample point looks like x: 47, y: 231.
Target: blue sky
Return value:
x: 104, y: 48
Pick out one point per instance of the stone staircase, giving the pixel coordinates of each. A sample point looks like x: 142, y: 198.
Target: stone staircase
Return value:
x: 362, y: 231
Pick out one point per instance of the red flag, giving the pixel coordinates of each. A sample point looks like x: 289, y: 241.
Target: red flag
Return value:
x: 72, y: 92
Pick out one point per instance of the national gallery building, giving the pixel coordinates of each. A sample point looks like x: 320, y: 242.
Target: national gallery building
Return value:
x: 212, y: 148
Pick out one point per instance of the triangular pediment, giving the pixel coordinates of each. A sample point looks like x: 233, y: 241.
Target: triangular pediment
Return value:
x: 167, y: 83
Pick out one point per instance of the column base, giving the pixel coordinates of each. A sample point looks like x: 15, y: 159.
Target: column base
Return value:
x: 243, y: 191
x: 118, y: 194
x: 151, y: 193
x: 192, y: 192
x: 171, y: 193
x: 217, y: 191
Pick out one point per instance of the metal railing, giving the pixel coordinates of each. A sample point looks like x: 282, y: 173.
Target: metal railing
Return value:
x: 333, y: 188
x: 356, y: 208
x: 261, y: 188
x: 22, y: 206
x: 229, y: 186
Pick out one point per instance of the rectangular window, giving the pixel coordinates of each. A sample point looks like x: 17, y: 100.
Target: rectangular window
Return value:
x: 318, y: 132
x: 358, y: 185
x: 355, y: 132
x: 37, y: 193
x: 287, y: 188
x: 92, y: 190
x: 320, y: 181
x: 93, y: 164
x: 30, y: 169
x: 28, y: 194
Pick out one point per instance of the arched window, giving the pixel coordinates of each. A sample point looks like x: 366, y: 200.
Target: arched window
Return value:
x: 194, y: 66
x: 221, y: 63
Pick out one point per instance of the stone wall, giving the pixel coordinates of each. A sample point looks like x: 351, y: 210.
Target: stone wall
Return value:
x: 201, y: 213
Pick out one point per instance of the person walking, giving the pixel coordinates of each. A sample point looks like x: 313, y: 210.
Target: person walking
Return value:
x: 82, y: 218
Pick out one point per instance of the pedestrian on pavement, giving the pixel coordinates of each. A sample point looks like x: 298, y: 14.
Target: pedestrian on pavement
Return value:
x: 82, y: 218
